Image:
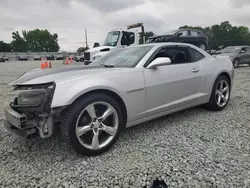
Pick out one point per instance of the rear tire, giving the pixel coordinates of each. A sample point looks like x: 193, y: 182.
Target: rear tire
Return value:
x: 220, y: 95
x: 96, y: 134
x: 203, y: 46
x: 82, y: 59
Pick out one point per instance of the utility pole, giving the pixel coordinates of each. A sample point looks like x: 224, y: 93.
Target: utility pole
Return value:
x: 86, y: 37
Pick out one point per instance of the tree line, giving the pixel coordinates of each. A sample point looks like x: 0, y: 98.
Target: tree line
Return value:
x: 219, y: 35
x: 33, y: 40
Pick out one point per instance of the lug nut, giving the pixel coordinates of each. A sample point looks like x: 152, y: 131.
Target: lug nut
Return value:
x: 100, y: 126
x: 100, y: 120
x: 94, y: 119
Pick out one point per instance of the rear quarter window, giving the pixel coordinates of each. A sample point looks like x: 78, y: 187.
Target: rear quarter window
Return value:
x: 197, y: 56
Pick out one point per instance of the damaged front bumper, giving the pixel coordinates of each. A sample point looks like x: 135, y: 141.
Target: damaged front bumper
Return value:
x: 16, y: 122
x: 30, y: 110
x: 19, y: 123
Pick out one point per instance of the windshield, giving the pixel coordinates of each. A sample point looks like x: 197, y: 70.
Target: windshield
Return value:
x: 123, y: 57
x: 231, y: 49
x: 112, y: 38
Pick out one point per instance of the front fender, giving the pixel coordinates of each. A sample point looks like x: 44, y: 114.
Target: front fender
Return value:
x: 66, y: 94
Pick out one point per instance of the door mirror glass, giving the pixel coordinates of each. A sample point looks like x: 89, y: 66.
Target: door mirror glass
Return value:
x: 160, y: 61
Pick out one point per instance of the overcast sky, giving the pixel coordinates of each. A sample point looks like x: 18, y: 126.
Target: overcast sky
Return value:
x: 69, y: 18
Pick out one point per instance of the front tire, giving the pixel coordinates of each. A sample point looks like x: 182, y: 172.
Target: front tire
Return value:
x: 93, y: 124
x: 82, y: 59
x: 236, y: 63
x: 220, y: 94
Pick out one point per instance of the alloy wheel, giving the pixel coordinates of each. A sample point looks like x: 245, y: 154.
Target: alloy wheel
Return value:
x: 203, y: 47
x: 222, y: 93
x: 97, y: 125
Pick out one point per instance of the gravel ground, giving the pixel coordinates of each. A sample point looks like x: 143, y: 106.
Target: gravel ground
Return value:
x: 193, y: 148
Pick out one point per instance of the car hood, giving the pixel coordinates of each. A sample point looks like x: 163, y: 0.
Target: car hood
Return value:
x: 63, y: 74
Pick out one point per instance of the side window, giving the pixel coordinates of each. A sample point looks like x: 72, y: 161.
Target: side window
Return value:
x: 194, y: 33
x: 184, y: 33
x: 128, y: 38
x: 243, y: 50
x: 197, y: 56
x: 176, y: 54
x: 248, y: 49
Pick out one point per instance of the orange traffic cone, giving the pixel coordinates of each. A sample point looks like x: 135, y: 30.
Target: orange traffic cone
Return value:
x: 71, y: 60
x: 42, y: 65
x: 67, y: 61
x: 46, y: 64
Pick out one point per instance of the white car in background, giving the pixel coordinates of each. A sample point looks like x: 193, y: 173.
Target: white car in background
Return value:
x: 131, y: 85
x: 79, y: 58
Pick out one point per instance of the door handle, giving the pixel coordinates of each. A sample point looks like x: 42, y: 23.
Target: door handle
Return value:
x: 195, y: 70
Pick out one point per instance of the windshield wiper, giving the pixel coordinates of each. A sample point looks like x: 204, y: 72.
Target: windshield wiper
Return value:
x: 108, y: 66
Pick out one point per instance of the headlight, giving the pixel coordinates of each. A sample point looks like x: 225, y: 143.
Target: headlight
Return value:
x: 31, y: 97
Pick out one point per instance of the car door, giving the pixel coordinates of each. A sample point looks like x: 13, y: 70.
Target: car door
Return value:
x: 243, y: 56
x: 174, y: 85
x: 247, y: 55
x: 194, y: 38
x: 183, y: 36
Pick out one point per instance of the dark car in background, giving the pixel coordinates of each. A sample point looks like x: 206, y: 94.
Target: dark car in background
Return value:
x: 50, y: 57
x: 2, y: 59
x: 23, y: 58
x: 190, y: 36
x: 238, y: 54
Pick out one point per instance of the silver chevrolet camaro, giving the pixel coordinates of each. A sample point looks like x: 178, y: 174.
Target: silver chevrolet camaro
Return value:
x: 93, y: 104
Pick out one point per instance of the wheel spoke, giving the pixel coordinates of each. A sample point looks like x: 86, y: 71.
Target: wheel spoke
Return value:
x: 219, y: 100
x: 82, y: 130
x: 224, y: 98
x: 218, y: 92
x: 91, y: 111
x: 221, y: 85
x: 95, y: 141
x: 110, y: 110
x: 224, y: 89
x: 109, y: 130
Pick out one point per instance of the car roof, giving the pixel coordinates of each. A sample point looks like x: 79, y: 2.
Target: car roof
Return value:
x: 190, y: 29
x: 165, y: 44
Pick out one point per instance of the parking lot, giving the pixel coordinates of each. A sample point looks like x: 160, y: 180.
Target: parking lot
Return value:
x: 193, y: 148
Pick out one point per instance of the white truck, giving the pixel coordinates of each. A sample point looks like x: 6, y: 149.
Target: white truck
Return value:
x: 117, y: 38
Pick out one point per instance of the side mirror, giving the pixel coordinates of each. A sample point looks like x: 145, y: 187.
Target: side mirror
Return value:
x: 242, y: 51
x: 179, y: 34
x: 160, y: 61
